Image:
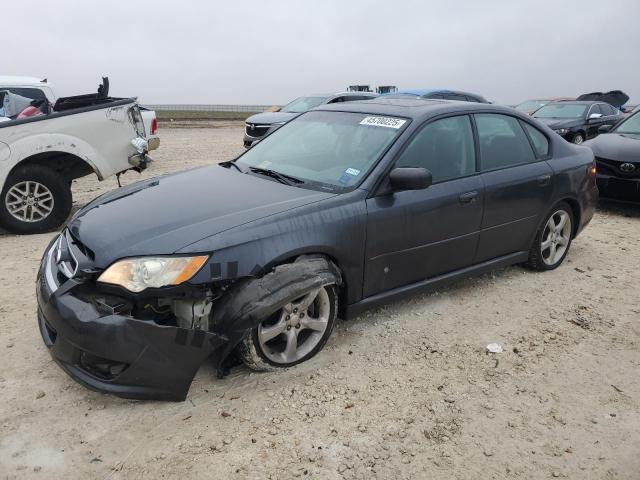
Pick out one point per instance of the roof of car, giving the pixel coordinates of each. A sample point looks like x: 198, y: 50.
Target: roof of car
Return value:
x: 414, y: 108
x: 17, y: 80
x: 420, y: 92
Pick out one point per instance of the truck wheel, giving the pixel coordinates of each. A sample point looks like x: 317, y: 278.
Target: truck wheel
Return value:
x: 294, y: 333
x: 35, y: 199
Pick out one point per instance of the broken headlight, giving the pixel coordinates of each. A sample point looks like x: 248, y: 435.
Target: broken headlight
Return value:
x: 138, y: 274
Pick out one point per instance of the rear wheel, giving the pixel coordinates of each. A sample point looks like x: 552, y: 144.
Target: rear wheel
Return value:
x: 34, y: 199
x: 553, y: 239
x: 293, y: 334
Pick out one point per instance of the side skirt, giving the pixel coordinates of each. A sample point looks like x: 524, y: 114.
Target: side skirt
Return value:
x: 432, y: 283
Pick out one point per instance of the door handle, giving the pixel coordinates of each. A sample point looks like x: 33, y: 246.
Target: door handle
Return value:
x: 468, y: 197
x: 544, y: 180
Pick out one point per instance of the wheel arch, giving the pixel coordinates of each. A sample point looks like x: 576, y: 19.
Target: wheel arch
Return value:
x: 67, y: 164
x: 290, y: 257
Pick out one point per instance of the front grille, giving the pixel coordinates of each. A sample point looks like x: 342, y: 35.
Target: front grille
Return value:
x: 612, y: 167
x: 256, y: 130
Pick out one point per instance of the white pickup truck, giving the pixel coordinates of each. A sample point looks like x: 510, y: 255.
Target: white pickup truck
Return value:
x: 74, y: 136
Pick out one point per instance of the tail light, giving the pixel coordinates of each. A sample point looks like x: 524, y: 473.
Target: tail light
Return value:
x: 592, y: 171
x: 154, y: 126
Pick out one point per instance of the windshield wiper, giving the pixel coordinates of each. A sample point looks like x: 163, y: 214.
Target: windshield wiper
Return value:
x: 281, y: 177
x: 230, y: 163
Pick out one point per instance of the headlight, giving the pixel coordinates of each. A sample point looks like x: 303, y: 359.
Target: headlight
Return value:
x: 562, y: 131
x: 137, y: 274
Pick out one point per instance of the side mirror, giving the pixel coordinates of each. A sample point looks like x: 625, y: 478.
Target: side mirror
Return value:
x: 410, y: 178
x: 604, y: 128
x: 594, y: 116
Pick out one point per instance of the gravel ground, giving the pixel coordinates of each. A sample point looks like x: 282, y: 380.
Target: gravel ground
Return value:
x: 403, y: 392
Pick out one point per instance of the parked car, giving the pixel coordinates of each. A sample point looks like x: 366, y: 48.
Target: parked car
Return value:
x: 258, y: 125
x: 341, y: 209
x: 617, y: 152
x: 577, y: 121
x: 41, y: 89
x: 530, y: 106
x: 40, y: 155
x: 441, y: 94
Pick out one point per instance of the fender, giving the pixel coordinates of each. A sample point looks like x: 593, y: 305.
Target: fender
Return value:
x: 30, y: 145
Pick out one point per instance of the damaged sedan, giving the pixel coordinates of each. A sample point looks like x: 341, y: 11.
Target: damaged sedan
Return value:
x: 344, y: 208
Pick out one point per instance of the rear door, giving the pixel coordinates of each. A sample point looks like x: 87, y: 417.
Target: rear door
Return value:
x: 419, y: 234
x: 518, y: 183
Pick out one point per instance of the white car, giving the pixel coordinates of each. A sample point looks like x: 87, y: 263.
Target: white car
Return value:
x: 40, y: 155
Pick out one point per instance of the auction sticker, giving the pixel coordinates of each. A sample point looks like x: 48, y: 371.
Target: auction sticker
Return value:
x: 388, y: 122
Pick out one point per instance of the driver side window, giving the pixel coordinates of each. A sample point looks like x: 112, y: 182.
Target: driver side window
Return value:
x: 444, y: 147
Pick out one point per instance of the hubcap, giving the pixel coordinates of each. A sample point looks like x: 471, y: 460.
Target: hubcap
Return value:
x: 29, y: 201
x: 294, y: 331
x: 555, y: 237
x: 578, y: 139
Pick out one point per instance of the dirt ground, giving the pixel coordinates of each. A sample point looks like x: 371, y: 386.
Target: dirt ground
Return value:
x: 402, y: 392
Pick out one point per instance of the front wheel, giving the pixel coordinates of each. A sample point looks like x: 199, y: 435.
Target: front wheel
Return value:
x: 553, y: 239
x: 578, y: 138
x: 34, y: 199
x: 293, y: 334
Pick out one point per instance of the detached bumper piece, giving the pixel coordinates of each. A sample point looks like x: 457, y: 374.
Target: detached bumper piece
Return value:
x: 114, y: 353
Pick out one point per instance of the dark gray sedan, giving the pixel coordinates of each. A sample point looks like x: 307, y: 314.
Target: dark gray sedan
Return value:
x: 343, y: 208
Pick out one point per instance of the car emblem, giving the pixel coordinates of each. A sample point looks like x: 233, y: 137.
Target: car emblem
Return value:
x: 627, y: 167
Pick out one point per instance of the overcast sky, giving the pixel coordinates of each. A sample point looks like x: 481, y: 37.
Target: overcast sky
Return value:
x: 268, y: 52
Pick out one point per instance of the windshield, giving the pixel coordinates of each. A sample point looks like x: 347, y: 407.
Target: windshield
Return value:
x: 630, y: 125
x: 302, y: 104
x: 561, y: 110
x: 530, y: 105
x: 327, y: 150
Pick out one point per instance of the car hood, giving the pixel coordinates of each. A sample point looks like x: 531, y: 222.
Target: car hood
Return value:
x: 616, y: 98
x: 165, y: 214
x: 271, y: 117
x: 560, y: 122
x: 616, y: 146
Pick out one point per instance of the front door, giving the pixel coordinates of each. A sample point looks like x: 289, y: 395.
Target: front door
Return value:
x: 419, y: 234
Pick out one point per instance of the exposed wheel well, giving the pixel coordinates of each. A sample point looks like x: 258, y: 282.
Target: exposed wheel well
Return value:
x: 68, y: 165
x: 342, y: 288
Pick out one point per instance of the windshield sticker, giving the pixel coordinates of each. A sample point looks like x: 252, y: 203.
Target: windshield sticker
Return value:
x: 345, y: 179
x: 264, y: 164
x: 352, y: 171
x: 383, y: 122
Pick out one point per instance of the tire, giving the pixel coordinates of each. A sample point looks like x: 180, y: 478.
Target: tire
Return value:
x: 550, y: 247
x: 46, y: 200
x: 578, y: 138
x: 261, y: 355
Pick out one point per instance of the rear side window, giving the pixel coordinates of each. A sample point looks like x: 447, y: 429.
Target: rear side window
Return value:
x: 32, y: 93
x: 538, y: 139
x: 444, y: 147
x: 503, y: 143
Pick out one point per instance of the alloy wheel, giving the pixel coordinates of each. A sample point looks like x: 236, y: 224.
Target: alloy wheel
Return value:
x: 555, y: 237
x: 295, y: 330
x: 29, y: 201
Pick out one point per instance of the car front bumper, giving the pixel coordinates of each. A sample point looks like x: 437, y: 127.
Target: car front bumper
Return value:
x: 619, y: 188
x: 114, y: 353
